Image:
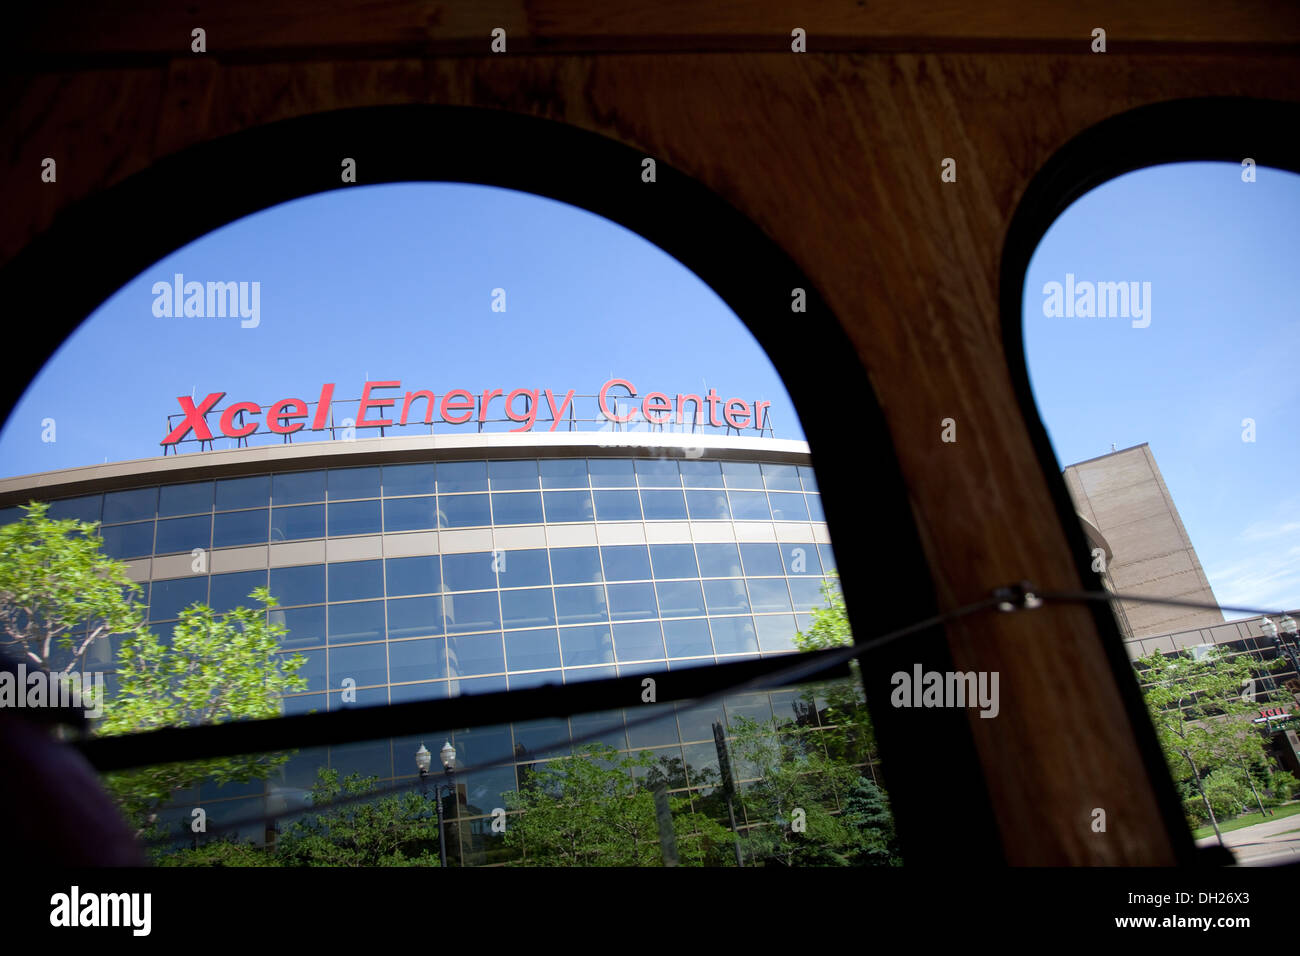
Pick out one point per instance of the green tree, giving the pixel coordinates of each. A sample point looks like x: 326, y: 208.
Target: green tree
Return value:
x: 866, y: 810
x: 399, y: 829
x: 224, y: 852
x: 59, y: 593
x: 1227, y: 792
x: 830, y: 624
x: 216, y: 668
x: 1201, y: 717
x: 840, y: 705
x: 588, y: 810
x: 792, y: 800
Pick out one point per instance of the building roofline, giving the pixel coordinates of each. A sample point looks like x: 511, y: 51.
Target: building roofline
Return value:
x: 1109, y: 454
x: 235, y: 462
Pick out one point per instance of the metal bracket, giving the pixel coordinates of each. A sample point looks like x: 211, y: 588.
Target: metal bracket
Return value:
x: 1018, y: 597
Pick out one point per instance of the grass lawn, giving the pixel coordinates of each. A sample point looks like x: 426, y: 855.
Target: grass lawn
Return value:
x: 1247, y: 819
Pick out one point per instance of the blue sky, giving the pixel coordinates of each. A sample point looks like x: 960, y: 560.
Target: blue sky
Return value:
x: 395, y: 282
x: 1221, y: 347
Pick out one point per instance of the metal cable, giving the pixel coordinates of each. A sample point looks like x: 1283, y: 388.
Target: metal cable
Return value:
x: 1022, y: 596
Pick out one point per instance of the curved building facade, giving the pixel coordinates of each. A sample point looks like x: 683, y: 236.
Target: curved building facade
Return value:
x: 440, y: 565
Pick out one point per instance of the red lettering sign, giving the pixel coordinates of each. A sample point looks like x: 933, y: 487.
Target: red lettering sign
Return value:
x: 194, y: 420
x: 459, y: 406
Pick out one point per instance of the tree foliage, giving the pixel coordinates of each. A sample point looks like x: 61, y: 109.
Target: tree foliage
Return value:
x: 399, y: 829
x: 226, y: 852
x: 830, y: 624
x: 840, y: 705
x: 804, y: 806
x: 215, y: 668
x: 588, y: 810
x: 1202, y: 718
x: 59, y: 593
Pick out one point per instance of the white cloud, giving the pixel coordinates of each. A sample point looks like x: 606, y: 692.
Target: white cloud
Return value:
x: 1266, y: 530
x: 1261, y: 570
x: 1269, y: 580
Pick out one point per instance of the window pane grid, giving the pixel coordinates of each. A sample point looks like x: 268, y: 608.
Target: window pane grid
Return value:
x: 640, y: 607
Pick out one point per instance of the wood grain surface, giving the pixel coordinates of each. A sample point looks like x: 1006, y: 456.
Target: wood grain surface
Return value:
x: 836, y: 157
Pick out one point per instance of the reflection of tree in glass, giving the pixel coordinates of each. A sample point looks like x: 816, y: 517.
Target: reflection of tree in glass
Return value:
x: 589, y: 810
x: 805, y: 807
x: 400, y: 829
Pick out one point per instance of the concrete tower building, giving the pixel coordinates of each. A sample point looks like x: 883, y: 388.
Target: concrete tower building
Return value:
x: 1124, y: 497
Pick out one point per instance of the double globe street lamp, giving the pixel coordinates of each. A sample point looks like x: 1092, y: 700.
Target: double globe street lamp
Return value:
x: 423, y: 760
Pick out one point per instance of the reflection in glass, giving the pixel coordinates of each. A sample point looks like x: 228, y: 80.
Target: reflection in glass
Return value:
x: 512, y: 475
x: 134, y: 505
x: 478, y: 654
x: 354, y: 623
x: 631, y: 601
x: 187, y: 499
x: 617, y: 506
x: 418, y: 575
x: 297, y: 522
x: 629, y: 562
x: 410, y: 514
x: 304, y: 584
x: 586, y: 645
x: 528, y: 650
x: 687, y: 638
x: 353, y: 580
x: 235, y: 493
x: 680, y: 598
x: 168, y: 598
x: 528, y: 607
x: 234, y: 528
x: 306, y: 625
x: 517, y: 508
x: 344, y: 483
x: 408, y: 480
x: 183, y: 534
x: 523, y: 569
x: 564, y: 473
x: 417, y: 660
x: 580, y: 604
x: 229, y: 591
x: 718, y: 560
x: 354, y: 517
x: 462, y: 476
x: 568, y: 506
x: 298, y: 487
x: 463, y: 511
x: 575, y: 565
x: 638, y: 642
x: 469, y: 572
x: 367, y: 664
x: 734, y: 635
x: 414, y: 617
x: 476, y: 611
x: 663, y: 505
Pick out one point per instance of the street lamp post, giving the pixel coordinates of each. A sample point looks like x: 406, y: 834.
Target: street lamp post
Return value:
x: 423, y: 760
